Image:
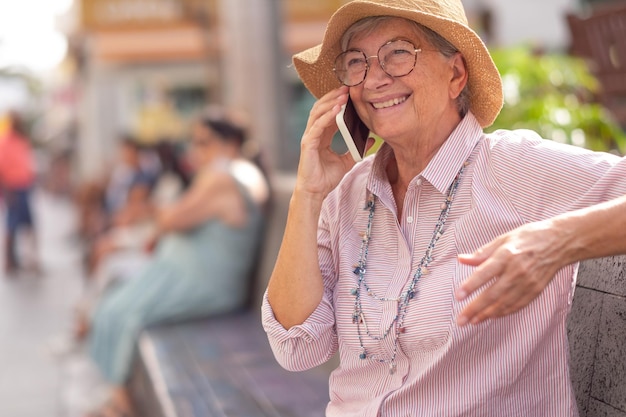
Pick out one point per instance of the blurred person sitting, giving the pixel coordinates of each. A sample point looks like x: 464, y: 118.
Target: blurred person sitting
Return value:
x: 126, y: 174
x: 206, y: 247
x: 119, y: 199
x: 98, y: 198
x: 121, y: 251
x: 17, y: 178
x: 134, y: 222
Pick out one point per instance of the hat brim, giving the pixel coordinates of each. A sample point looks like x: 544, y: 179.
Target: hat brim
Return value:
x: 315, y: 65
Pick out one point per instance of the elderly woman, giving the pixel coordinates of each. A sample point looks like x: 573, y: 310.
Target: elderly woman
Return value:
x: 208, y: 241
x: 369, y: 265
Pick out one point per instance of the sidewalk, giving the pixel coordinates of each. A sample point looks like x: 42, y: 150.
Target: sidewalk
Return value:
x: 36, y: 309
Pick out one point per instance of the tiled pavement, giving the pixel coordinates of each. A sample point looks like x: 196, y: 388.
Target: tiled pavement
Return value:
x: 34, y: 311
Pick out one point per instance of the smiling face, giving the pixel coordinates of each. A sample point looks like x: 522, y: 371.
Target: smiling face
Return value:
x: 414, y: 111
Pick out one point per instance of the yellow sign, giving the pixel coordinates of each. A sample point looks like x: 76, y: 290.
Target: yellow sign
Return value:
x: 107, y: 14
x: 299, y: 10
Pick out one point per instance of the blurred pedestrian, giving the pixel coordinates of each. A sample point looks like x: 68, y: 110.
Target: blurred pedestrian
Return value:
x: 117, y: 199
x: 17, y: 178
x: 120, y: 252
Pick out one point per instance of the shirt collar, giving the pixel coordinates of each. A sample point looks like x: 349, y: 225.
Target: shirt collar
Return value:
x: 444, y: 166
x: 446, y: 163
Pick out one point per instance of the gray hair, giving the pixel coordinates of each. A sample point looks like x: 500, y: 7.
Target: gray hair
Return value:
x: 369, y: 24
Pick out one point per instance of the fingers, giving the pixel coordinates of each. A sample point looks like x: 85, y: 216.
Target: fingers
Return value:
x: 320, y: 168
x: 517, y: 277
x: 505, y: 296
x: 326, y: 108
x: 490, y: 303
x: 321, y: 125
x: 481, y: 276
x: 486, y: 269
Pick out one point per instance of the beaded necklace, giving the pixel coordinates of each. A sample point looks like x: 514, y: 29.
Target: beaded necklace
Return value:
x: 358, y: 316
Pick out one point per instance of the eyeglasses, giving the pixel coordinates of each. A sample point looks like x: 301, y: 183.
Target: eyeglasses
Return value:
x: 397, y: 58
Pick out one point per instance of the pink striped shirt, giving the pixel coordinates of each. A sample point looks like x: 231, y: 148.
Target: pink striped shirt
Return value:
x: 513, y: 366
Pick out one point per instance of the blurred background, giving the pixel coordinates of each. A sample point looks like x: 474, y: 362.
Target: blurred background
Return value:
x: 84, y: 73
x: 86, y: 70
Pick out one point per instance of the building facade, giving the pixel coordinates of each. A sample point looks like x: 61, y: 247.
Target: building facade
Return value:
x: 147, y: 67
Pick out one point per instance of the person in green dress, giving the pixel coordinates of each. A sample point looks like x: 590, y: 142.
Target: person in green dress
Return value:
x: 206, y: 247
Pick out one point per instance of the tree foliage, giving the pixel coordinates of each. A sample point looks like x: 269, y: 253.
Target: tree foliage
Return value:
x: 555, y: 95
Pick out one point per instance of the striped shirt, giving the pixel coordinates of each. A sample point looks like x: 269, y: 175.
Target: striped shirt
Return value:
x: 512, y: 366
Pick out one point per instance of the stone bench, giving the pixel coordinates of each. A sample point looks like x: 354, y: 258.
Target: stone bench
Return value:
x: 221, y: 366
x: 597, y: 338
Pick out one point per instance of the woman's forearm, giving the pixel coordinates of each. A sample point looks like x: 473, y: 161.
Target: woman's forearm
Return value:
x: 526, y: 259
x: 212, y: 197
x: 595, y: 231
x: 174, y: 219
x: 295, y: 288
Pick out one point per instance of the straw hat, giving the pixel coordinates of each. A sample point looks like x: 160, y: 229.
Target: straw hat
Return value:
x: 446, y: 17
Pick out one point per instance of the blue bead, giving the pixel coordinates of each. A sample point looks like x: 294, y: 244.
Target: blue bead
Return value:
x: 362, y: 356
x: 357, y: 270
x: 354, y: 291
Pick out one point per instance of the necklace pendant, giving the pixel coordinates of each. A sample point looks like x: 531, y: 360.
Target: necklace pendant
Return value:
x: 392, y: 368
x: 355, y: 318
x: 362, y: 355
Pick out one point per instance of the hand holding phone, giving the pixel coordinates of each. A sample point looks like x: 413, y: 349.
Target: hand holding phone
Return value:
x: 353, y: 131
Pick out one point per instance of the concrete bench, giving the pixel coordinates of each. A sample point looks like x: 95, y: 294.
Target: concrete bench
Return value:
x: 597, y: 338
x: 223, y: 366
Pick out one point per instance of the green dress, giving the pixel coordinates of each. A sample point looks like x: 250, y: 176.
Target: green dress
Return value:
x: 193, y: 274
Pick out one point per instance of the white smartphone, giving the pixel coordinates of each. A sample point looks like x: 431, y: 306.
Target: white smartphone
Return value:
x: 353, y: 130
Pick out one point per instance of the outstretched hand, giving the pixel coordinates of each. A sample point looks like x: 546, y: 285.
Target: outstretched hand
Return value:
x: 521, y: 264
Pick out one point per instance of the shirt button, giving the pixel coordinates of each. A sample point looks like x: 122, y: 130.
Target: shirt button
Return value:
x: 418, y: 182
x: 409, y: 219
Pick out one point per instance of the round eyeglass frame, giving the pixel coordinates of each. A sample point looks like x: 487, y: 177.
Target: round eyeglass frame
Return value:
x: 415, y: 51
